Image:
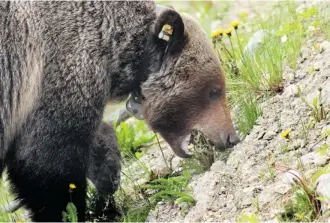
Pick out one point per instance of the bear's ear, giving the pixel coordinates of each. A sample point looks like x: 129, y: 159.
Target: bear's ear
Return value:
x: 169, y: 27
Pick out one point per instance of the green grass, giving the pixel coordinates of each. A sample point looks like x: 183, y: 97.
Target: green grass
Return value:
x: 254, y: 77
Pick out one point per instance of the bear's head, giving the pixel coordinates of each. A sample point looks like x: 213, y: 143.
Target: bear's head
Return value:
x: 184, y: 85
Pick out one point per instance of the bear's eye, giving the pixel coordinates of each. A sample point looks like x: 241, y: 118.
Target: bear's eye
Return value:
x: 214, y: 93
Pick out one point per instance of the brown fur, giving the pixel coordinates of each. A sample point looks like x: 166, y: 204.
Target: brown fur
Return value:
x: 183, y: 101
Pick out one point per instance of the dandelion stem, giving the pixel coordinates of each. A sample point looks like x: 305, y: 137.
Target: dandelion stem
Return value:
x: 231, y: 44
x: 239, y: 42
x: 216, y: 49
x: 226, y: 50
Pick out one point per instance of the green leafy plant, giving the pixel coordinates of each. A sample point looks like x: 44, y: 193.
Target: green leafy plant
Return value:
x: 171, y: 189
x: 131, y: 136
x: 71, y: 214
x: 323, y: 149
x: 320, y: 172
x: 253, y: 218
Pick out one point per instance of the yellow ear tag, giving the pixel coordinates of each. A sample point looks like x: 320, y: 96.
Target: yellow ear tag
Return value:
x: 168, y: 29
x: 166, y: 32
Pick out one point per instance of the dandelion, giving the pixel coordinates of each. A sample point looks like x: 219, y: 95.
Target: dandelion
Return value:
x: 286, y: 133
x: 243, y: 15
x: 228, y: 31
x: 20, y: 221
x: 71, y: 188
x: 217, y: 33
x: 234, y: 24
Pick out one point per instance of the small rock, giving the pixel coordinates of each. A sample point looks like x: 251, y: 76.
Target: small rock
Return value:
x: 298, y: 143
x: 301, y: 75
x: 260, y: 145
x: 269, y: 135
x: 314, y: 158
x: 290, y: 177
x: 290, y: 91
x: 317, y: 65
x: 246, y: 196
x: 318, y: 57
x: 289, y: 77
x: 161, y: 170
x: 281, y: 188
x: 141, y: 181
x: 324, y: 46
x: 304, y: 52
x: 323, y: 190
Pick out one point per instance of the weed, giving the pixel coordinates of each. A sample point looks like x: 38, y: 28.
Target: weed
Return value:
x: 304, y: 204
x: 131, y: 136
x: 172, y: 189
x: 204, y: 154
x: 319, y: 172
x: 135, y: 209
x: 285, y: 148
x: 253, y: 218
x: 268, y: 174
x: 318, y: 111
x: 323, y: 149
x: 300, y: 208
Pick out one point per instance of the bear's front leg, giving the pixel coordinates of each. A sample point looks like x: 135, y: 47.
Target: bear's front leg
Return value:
x: 47, y: 195
x: 42, y: 165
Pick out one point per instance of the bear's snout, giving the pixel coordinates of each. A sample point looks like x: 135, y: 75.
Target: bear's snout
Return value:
x: 232, y: 140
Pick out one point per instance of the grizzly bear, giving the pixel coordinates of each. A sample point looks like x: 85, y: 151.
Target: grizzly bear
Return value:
x: 62, y: 61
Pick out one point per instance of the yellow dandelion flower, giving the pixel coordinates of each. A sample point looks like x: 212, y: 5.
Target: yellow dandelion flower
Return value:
x: 228, y: 31
x: 20, y: 221
x: 72, y: 186
x: 243, y: 14
x: 286, y: 133
x: 234, y: 24
x: 217, y: 33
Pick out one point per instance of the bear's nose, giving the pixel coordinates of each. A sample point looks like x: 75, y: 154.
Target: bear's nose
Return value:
x: 232, y: 140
